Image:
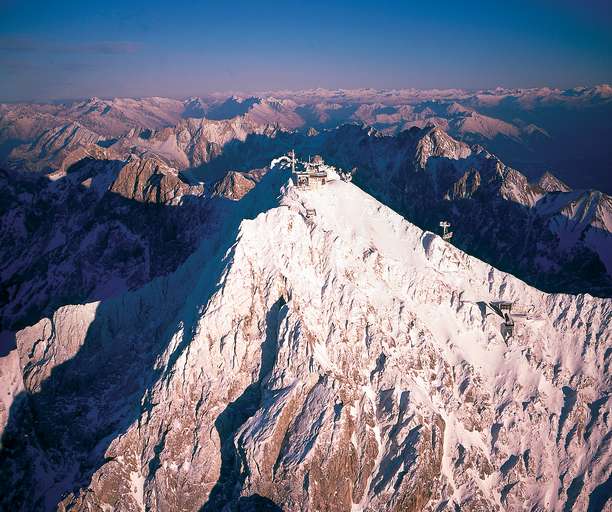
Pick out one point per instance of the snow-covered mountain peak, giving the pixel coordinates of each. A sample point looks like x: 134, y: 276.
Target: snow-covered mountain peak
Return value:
x: 367, y: 295
x: 435, y: 142
x: 550, y: 183
x: 323, y: 339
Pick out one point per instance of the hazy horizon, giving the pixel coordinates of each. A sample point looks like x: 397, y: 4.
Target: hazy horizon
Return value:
x: 75, y: 50
x: 221, y: 95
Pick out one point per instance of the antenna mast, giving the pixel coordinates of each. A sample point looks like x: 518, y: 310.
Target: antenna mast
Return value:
x: 292, y: 155
x: 446, y: 235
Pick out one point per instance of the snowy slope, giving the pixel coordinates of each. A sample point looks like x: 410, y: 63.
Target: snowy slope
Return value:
x: 428, y: 176
x: 347, y: 361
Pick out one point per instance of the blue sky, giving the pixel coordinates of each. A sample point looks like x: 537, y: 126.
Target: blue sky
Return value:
x: 51, y: 50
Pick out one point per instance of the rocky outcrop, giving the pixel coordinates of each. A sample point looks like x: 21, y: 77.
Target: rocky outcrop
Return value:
x: 151, y: 181
x: 465, y: 186
x: 434, y: 142
x: 235, y: 185
x: 550, y: 183
x: 56, y: 148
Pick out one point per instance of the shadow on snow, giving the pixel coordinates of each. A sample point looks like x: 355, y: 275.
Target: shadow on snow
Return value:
x: 57, y: 436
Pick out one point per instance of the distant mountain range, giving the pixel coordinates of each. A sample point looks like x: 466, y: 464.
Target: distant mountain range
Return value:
x: 535, y: 130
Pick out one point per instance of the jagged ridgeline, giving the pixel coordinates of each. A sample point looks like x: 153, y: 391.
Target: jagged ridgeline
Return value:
x: 338, y: 360
x: 258, y: 304
x: 112, y: 220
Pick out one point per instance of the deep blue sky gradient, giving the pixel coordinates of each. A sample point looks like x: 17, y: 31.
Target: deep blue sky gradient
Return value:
x: 180, y: 48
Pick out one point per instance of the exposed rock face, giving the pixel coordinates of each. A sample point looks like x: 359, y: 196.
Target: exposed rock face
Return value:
x: 56, y: 148
x: 98, y: 229
x: 235, y: 185
x: 151, y: 181
x: 466, y: 186
x: 11, y: 379
x: 436, y: 143
x: 550, y: 183
x: 345, y: 362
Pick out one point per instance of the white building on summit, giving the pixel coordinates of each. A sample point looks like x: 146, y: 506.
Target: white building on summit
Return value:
x: 311, y: 174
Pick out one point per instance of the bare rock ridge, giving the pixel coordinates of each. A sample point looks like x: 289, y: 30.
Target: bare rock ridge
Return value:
x: 235, y: 185
x: 530, y: 129
x: 550, y: 183
x: 343, y: 361
x: 152, y: 181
